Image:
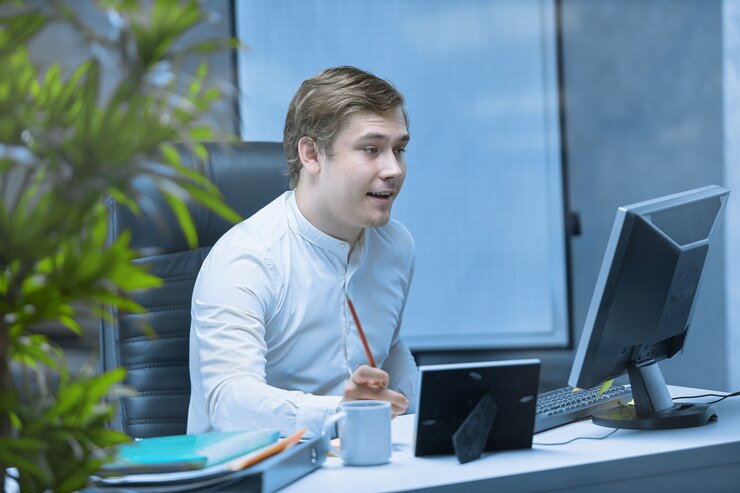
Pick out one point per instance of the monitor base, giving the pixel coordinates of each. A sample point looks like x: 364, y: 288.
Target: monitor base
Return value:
x: 679, y: 416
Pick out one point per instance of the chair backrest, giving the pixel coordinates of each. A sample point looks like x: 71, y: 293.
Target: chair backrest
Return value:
x: 249, y: 175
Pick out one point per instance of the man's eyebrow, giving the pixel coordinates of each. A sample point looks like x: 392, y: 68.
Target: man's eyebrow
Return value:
x: 380, y: 136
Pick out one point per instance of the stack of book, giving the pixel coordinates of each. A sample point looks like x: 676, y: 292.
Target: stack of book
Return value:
x: 245, y: 461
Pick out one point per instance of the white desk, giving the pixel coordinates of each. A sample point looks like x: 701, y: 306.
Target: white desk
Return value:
x: 704, y: 459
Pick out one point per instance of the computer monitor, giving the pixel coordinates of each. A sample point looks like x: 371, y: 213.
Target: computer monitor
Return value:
x: 643, y: 303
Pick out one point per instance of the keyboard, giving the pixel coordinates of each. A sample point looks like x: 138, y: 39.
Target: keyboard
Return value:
x: 562, y: 406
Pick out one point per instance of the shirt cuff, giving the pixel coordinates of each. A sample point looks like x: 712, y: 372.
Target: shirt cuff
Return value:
x: 313, y: 413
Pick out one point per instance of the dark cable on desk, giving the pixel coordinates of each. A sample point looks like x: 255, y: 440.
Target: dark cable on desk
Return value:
x: 721, y: 397
x: 578, y: 438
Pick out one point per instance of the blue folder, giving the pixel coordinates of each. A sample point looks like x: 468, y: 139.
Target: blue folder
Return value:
x: 186, y: 452
x: 266, y: 476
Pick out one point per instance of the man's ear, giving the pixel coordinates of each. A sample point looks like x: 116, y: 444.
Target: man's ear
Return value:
x: 308, y: 152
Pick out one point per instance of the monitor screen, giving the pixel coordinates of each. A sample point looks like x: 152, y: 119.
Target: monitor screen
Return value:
x: 643, y: 302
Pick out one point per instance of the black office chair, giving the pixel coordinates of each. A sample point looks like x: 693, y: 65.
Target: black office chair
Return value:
x: 249, y: 175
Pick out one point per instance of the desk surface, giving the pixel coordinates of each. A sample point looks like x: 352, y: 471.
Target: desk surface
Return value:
x: 705, y: 458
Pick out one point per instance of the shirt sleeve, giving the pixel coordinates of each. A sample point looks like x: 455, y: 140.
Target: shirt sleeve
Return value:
x: 229, y: 316
x: 400, y: 363
x: 402, y: 369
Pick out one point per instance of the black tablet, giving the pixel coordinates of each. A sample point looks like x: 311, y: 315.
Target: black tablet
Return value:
x: 492, y: 403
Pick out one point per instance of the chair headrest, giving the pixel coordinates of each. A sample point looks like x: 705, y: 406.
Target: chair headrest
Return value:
x: 248, y: 174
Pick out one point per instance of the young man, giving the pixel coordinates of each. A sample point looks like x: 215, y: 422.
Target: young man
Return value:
x: 273, y: 343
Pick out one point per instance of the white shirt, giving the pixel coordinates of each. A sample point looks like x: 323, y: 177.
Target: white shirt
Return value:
x: 272, y: 340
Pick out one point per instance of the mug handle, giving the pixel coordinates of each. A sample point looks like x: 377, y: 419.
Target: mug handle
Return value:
x: 329, y: 423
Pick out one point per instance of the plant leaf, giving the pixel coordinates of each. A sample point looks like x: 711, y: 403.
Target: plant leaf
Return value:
x: 183, y: 218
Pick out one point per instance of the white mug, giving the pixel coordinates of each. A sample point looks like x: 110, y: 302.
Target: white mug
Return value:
x: 364, y: 432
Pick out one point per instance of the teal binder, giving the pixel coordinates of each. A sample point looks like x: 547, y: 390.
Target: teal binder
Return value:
x: 185, y: 452
x: 266, y: 476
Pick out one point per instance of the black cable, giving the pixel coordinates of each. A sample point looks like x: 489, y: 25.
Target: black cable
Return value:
x: 579, y: 438
x: 721, y: 397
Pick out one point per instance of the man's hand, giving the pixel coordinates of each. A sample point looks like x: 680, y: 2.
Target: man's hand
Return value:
x: 368, y: 383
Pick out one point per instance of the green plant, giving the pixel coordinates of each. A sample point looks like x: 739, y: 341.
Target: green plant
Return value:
x: 64, y: 144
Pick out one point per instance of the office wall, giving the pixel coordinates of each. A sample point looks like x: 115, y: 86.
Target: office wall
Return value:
x: 644, y: 108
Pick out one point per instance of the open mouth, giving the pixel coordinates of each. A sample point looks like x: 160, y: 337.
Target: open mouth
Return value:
x: 381, y: 195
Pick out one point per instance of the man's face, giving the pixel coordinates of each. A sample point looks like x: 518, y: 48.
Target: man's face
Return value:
x: 356, y: 186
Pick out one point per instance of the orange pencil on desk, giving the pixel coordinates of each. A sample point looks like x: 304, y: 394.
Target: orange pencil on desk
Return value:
x: 361, y: 332
x: 271, y: 450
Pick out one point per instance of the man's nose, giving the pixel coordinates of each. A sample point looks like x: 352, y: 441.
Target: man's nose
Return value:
x: 392, y: 165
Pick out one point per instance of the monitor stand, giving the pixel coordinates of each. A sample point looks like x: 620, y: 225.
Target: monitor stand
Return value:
x: 654, y: 408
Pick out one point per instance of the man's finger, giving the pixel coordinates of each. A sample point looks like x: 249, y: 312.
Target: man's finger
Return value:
x: 368, y: 375
x: 398, y: 401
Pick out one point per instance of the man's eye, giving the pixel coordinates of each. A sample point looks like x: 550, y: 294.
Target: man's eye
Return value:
x: 400, y: 151
x: 370, y: 149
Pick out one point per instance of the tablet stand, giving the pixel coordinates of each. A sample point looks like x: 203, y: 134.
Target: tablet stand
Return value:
x: 470, y: 438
